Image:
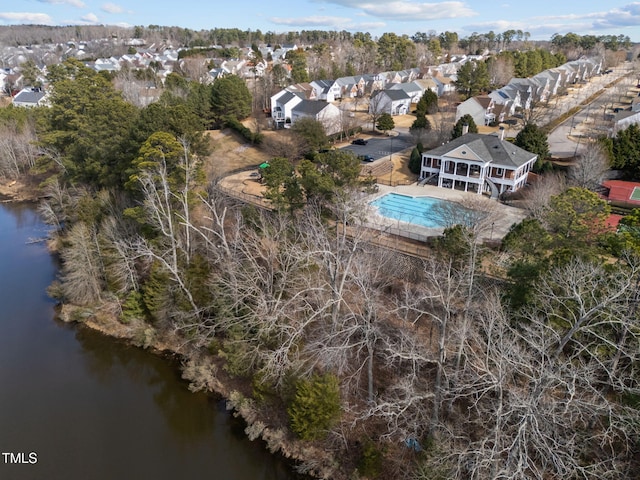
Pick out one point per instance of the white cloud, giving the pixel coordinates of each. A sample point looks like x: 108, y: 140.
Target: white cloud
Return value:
x: 73, y: 3
x: 112, y: 8
x: 404, y: 10
x: 24, y: 17
x: 324, y: 21
x: 625, y: 16
x: 90, y: 18
x: 365, y: 26
x: 407, y: 11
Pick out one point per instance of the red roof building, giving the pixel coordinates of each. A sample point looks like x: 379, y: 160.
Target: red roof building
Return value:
x: 622, y: 193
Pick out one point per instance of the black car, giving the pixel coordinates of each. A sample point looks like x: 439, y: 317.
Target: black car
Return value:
x: 366, y: 158
x: 359, y: 141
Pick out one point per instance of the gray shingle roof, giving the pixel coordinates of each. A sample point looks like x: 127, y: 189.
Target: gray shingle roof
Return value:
x: 310, y: 107
x: 29, y: 97
x: 396, y: 94
x: 488, y: 147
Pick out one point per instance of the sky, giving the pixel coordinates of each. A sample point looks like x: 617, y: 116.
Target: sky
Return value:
x: 541, y: 18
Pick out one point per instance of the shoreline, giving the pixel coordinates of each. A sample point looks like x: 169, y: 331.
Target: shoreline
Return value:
x: 202, y: 369
x: 205, y: 372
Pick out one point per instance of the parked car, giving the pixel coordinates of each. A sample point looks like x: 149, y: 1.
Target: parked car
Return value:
x: 366, y: 158
x: 359, y: 141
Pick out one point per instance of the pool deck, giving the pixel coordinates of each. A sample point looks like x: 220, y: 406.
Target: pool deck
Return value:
x: 503, y: 218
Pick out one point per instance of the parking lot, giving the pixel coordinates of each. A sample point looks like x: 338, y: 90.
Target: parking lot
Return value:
x: 381, y: 147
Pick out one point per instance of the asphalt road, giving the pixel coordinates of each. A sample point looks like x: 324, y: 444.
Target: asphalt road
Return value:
x: 568, y: 138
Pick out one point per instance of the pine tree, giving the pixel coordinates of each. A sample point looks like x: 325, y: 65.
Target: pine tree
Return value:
x: 315, y: 406
x: 415, y: 161
x: 459, y: 126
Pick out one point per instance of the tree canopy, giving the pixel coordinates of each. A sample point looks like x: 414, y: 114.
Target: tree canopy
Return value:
x: 428, y: 103
x: 458, y: 128
x: 624, y: 151
x: 312, y: 133
x: 89, y: 125
x: 385, y: 123
x: 473, y: 78
x: 534, y: 140
x: 230, y: 97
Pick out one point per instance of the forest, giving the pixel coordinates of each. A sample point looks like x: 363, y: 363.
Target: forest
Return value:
x: 516, y: 360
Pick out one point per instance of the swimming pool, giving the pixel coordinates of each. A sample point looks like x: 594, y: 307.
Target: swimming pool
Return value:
x: 416, y: 210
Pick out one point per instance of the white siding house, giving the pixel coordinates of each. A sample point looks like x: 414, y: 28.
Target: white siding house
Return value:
x: 478, y: 163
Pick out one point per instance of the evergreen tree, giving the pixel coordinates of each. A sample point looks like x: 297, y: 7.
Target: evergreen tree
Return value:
x: 89, y: 124
x: 420, y: 123
x: 473, y: 78
x: 230, y: 97
x: 297, y: 59
x: 415, y: 161
x: 312, y: 133
x: 534, y: 140
x: 624, y: 151
x: 315, y: 406
x: 428, y: 103
x: 459, y: 126
x: 385, y: 123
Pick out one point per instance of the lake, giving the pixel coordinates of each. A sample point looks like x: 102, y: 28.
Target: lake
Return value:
x: 75, y: 404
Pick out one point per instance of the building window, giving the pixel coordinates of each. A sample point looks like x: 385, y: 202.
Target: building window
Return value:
x: 499, y: 172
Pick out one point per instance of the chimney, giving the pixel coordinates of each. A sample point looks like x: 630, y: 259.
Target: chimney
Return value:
x: 465, y: 129
x: 501, y: 133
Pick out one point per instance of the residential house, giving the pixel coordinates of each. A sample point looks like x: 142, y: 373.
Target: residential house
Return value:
x: 328, y: 90
x: 509, y: 97
x: 427, y: 83
x: 4, y: 73
x: 478, y: 163
x: 282, y: 104
x: 622, y: 120
x: 530, y: 91
x: 353, y: 86
x: 393, y: 102
x: 111, y: 64
x: 254, y: 68
x: 31, y: 97
x: 445, y: 84
x: 481, y: 108
x: 324, y: 112
x: 554, y: 81
x: 303, y: 90
x: 413, y: 89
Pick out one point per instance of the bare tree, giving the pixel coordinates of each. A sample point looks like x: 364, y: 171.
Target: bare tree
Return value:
x: 538, y: 194
x: 501, y: 70
x: 442, y: 124
x: 82, y: 270
x: 18, y: 150
x: 589, y: 169
x: 376, y: 108
x: 285, y: 145
x: 537, y: 395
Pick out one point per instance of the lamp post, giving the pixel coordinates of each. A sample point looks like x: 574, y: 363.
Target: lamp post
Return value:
x: 391, y: 158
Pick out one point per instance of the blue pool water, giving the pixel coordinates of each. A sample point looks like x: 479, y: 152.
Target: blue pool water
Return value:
x: 416, y: 210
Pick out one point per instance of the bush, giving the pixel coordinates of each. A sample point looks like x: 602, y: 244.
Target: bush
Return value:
x: 370, y: 463
x: 315, y: 406
x: 234, y: 124
x: 415, y: 161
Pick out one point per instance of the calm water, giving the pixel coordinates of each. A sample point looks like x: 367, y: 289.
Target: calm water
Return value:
x: 416, y: 210
x: 88, y: 407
